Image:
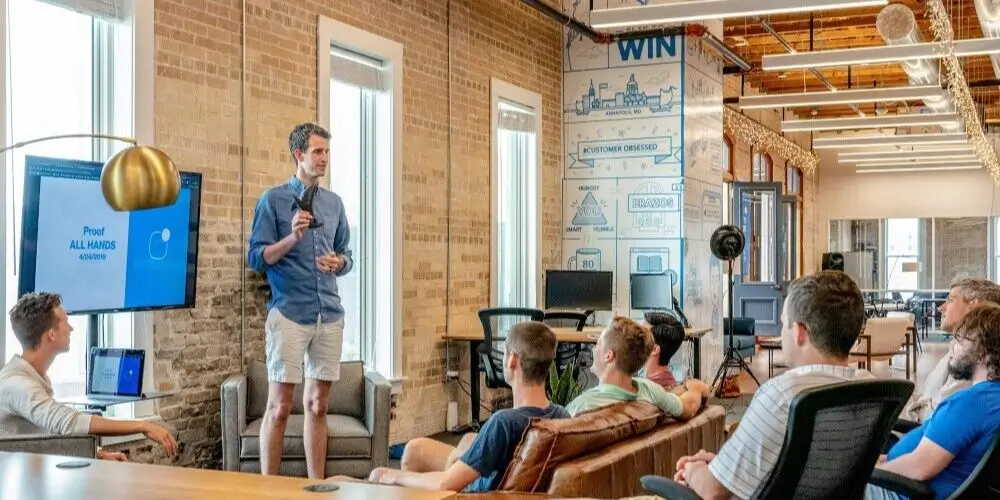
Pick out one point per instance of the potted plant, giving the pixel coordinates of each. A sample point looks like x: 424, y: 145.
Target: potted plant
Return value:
x: 563, y: 388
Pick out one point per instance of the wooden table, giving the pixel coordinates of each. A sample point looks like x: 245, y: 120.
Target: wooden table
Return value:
x: 588, y: 335
x: 29, y: 475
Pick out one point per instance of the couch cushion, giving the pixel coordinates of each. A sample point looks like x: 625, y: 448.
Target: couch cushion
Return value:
x: 614, y: 472
x: 346, y: 437
x: 347, y: 396
x: 547, y: 443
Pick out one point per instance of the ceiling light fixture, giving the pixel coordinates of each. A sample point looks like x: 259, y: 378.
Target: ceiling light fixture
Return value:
x: 882, y: 54
x: 914, y: 169
x: 914, y: 120
x: 895, y: 155
x: 890, y: 140
x: 852, y: 96
x: 908, y: 162
x: 679, y: 12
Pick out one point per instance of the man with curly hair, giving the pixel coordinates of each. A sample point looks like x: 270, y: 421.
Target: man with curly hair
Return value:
x: 945, y: 449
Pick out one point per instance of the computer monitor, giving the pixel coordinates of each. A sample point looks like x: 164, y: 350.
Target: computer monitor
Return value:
x: 651, y: 291
x: 584, y: 290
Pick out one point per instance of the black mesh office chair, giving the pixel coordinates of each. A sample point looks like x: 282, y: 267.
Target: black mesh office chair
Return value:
x: 833, y: 439
x: 496, y: 321
x: 982, y: 484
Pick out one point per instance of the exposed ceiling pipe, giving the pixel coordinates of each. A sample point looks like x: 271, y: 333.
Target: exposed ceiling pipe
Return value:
x: 695, y: 30
x: 989, y: 19
x: 784, y: 43
x: 898, y: 26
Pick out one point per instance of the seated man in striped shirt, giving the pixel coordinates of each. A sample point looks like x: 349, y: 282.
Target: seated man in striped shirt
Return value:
x: 27, y: 405
x: 821, y: 320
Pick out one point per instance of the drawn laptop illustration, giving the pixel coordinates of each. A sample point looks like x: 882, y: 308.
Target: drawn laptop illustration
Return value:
x: 115, y: 374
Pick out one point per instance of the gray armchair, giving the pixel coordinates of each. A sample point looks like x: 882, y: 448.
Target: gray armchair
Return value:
x: 357, y: 420
x: 74, y: 445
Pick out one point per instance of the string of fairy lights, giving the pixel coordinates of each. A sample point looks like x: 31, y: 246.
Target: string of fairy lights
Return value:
x: 957, y: 86
x: 749, y: 131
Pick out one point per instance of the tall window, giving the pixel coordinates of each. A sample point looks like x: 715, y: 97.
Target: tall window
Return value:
x: 902, y: 254
x: 793, y: 180
x: 358, y: 108
x: 516, y: 163
x: 996, y: 248
x: 762, y: 167
x: 75, y: 76
x: 360, y: 91
x: 729, y: 167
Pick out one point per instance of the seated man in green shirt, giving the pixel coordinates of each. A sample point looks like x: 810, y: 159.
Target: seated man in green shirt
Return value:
x: 623, y: 347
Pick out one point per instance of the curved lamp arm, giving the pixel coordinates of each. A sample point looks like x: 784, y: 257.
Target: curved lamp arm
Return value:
x: 69, y: 136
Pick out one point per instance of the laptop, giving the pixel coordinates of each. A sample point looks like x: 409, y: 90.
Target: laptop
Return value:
x: 114, y: 375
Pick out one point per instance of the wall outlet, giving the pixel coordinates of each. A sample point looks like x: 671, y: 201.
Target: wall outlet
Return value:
x: 450, y: 374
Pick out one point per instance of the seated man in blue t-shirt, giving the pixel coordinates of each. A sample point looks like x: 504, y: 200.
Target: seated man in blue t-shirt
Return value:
x: 946, y: 448
x: 430, y: 464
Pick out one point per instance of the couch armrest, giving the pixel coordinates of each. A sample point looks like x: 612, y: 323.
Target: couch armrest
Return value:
x: 910, y: 488
x: 234, y: 419
x: 377, y: 412
x: 73, y: 445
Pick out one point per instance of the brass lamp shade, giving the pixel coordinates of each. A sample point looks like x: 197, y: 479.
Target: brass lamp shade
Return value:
x: 138, y: 178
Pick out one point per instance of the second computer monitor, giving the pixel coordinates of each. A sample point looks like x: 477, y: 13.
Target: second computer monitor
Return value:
x: 584, y: 290
x: 650, y: 291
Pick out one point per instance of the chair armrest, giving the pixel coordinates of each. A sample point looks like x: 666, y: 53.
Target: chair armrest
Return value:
x: 378, y: 393
x: 910, y: 488
x: 903, y: 425
x: 234, y: 419
x: 668, y: 488
x: 73, y: 445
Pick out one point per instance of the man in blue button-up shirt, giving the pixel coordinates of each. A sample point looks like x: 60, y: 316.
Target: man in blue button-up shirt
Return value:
x: 305, y: 317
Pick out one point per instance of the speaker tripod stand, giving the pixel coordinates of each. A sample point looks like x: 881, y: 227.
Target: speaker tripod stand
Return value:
x: 727, y: 244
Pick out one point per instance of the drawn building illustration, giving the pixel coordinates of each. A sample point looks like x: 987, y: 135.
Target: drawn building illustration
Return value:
x: 631, y: 98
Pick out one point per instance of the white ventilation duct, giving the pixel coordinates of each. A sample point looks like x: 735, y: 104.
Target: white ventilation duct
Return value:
x: 989, y: 19
x: 898, y: 26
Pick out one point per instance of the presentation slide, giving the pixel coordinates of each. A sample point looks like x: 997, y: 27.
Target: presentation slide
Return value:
x: 98, y: 259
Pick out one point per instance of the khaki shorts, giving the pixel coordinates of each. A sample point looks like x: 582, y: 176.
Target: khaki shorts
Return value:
x: 287, y: 344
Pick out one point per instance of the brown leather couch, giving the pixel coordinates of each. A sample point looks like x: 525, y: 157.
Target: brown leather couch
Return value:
x: 603, y: 453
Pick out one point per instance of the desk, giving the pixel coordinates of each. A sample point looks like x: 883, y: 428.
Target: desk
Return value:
x: 28, y: 475
x: 569, y: 335
x: 102, y: 404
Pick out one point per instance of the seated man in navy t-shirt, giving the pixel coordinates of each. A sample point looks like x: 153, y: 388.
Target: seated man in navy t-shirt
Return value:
x: 479, y: 462
x: 946, y: 448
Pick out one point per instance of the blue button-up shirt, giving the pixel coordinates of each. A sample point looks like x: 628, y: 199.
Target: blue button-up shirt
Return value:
x: 299, y: 290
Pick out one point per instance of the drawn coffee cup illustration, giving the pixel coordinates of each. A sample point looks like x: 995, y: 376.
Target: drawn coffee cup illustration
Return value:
x: 586, y: 259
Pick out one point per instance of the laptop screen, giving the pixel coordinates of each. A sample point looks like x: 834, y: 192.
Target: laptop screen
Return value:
x: 116, y: 372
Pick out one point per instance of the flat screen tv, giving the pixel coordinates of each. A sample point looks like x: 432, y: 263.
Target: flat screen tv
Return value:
x: 100, y: 260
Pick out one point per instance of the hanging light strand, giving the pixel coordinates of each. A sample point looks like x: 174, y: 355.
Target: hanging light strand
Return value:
x: 749, y: 131
x: 957, y: 86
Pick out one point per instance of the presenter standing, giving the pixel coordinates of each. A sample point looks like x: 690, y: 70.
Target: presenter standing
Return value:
x: 299, y: 239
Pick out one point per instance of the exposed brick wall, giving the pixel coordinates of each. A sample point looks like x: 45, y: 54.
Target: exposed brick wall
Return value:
x: 198, y: 60
x: 744, y: 165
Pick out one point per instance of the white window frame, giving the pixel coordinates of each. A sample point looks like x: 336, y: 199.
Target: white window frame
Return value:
x: 501, y: 90
x: 140, y: 14
x: 330, y: 33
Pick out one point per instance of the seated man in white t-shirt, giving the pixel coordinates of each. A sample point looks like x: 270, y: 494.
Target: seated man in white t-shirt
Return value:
x: 27, y: 405
x: 821, y: 320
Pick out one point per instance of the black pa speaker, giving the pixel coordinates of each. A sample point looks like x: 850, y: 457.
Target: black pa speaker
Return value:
x: 833, y: 261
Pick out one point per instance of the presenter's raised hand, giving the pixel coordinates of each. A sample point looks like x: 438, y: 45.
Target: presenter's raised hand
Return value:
x: 161, y: 436
x: 300, y: 223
